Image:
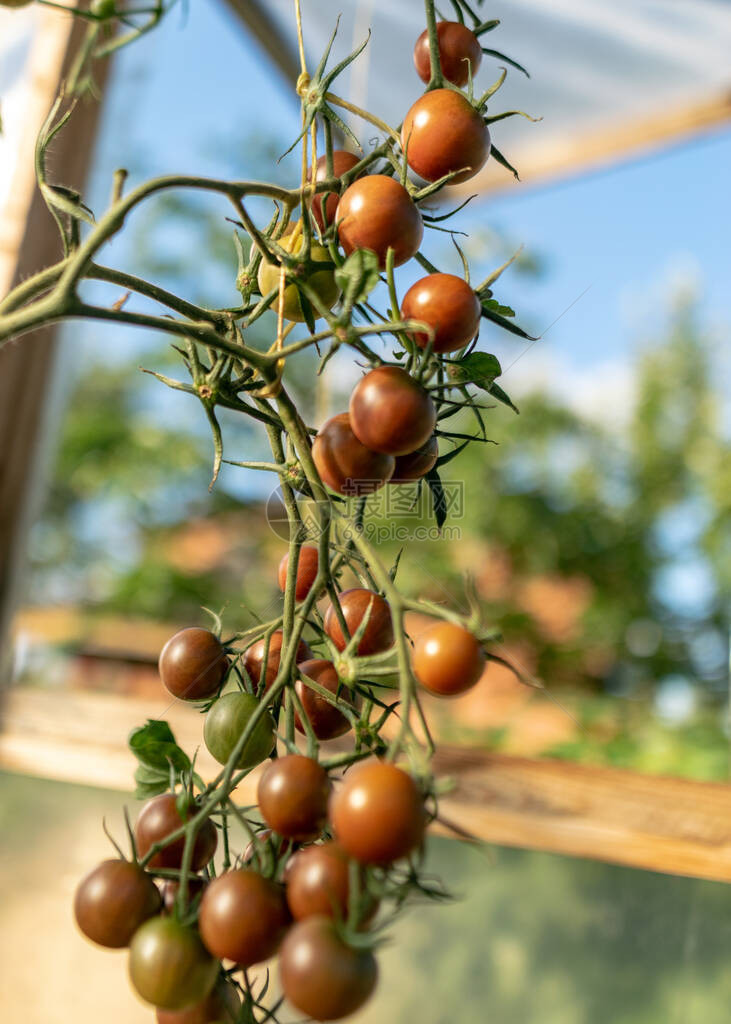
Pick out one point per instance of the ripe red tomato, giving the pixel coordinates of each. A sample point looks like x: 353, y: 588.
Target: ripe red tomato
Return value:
x: 355, y: 604
x: 226, y: 722
x: 445, y: 133
x: 193, y: 664
x: 221, y: 1007
x: 326, y: 721
x: 169, y: 966
x: 243, y: 917
x: 447, y: 304
x: 447, y: 659
x: 342, y: 162
x: 322, y: 976
x: 169, y: 891
x: 293, y: 793
x: 459, y: 48
x: 307, y: 566
x: 159, y: 818
x: 318, y: 882
x: 377, y: 813
x: 346, y: 465
x: 254, y: 657
x: 377, y: 213
x: 416, y: 464
x: 113, y: 900
x: 390, y: 412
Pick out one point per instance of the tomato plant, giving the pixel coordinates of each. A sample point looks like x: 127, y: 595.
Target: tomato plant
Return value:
x: 293, y: 793
x: 243, y: 917
x: 113, y: 901
x: 168, y: 965
x: 321, y: 975
x: 339, y: 668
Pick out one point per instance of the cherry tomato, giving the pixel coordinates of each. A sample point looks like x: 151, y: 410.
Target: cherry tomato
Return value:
x: 169, y: 966
x: 220, y: 1007
x: 225, y: 723
x: 113, y: 900
x: 293, y: 794
x: 193, y: 664
x: 342, y: 162
x: 377, y: 813
x: 346, y: 465
x: 326, y: 721
x: 321, y: 976
x: 254, y: 657
x: 416, y: 464
x: 159, y: 818
x: 390, y: 412
x: 170, y: 888
x: 102, y: 8
x: 459, y: 49
x: 307, y: 566
x: 377, y: 213
x: 355, y: 604
x: 447, y: 659
x: 448, y: 305
x: 445, y: 133
x: 243, y: 917
x: 321, y: 281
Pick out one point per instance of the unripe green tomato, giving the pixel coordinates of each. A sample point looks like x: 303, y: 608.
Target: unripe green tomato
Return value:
x: 225, y: 723
x: 322, y: 281
x: 103, y: 8
x: 169, y: 966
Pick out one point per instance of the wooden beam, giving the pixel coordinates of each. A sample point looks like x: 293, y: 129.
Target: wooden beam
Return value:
x: 29, y: 241
x: 675, y: 826
x: 571, y: 155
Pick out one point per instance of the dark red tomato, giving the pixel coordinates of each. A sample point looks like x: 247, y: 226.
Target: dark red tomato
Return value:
x: 293, y: 794
x: 306, y: 572
x: 390, y: 412
x: 193, y: 664
x: 243, y: 917
x: 169, y: 966
x: 416, y: 464
x: 326, y: 721
x: 342, y: 162
x: 447, y: 304
x: 254, y: 658
x: 170, y: 889
x: 321, y: 976
x: 221, y: 1007
x: 377, y: 813
x: 158, y: 819
x: 377, y: 213
x: 445, y: 133
x: 318, y: 882
x: 459, y: 49
x: 113, y: 900
x: 355, y: 605
x: 346, y: 465
x: 447, y: 659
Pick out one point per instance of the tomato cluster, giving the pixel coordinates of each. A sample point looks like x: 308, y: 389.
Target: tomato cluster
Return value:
x: 326, y: 839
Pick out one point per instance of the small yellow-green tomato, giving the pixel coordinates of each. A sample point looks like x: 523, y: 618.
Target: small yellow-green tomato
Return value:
x: 322, y: 281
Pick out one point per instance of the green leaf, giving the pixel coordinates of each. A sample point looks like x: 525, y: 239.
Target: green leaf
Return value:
x: 358, y: 276
x: 502, y: 321
x: 155, y: 748
x: 495, y: 307
x: 439, y: 500
x: 480, y: 368
x: 497, y: 392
